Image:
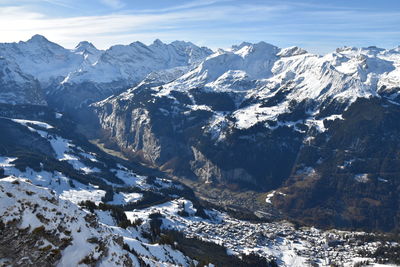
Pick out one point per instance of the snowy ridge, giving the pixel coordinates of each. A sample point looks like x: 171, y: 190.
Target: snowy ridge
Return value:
x: 84, y: 239
x: 133, y: 62
x: 346, y: 69
x: 44, y: 60
x: 49, y: 62
x: 262, y: 72
x: 85, y: 73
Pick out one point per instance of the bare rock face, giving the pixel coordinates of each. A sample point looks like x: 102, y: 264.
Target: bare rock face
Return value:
x: 20, y: 247
x: 169, y: 133
x: 209, y: 172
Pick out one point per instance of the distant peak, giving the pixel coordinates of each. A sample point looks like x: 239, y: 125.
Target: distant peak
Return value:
x: 346, y: 49
x: 238, y: 47
x: 261, y: 48
x: 85, y: 45
x: 158, y: 42
x: 184, y: 43
x: 137, y: 43
x: 292, y: 51
x: 264, y: 45
x: 260, y: 45
x: 374, y: 49
x: 396, y: 49
x: 38, y: 38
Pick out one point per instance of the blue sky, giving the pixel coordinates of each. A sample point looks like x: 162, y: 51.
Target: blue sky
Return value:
x: 319, y: 26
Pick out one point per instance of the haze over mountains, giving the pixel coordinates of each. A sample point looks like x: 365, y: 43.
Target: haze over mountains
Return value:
x: 314, y: 139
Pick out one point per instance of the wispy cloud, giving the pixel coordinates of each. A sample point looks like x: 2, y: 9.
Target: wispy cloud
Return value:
x: 191, y: 4
x: 113, y: 3
x: 209, y: 22
x: 57, y: 2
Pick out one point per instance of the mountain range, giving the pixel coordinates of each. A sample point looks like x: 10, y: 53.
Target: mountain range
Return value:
x: 252, y: 132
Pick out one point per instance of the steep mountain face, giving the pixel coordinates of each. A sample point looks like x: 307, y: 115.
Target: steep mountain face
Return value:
x: 349, y: 174
x: 17, y: 87
x: 248, y: 116
x: 74, y: 78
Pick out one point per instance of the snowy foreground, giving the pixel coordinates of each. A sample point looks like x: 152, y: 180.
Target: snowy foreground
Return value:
x: 88, y: 237
x: 60, y: 223
x: 40, y: 217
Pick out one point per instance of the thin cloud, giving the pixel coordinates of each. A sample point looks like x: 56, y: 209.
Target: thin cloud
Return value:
x: 57, y: 2
x: 216, y: 23
x: 116, y: 4
x: 192, y: 4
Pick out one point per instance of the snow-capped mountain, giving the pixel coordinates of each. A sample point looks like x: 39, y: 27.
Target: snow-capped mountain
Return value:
x: 253, y: 84
x: 44, y: 60
x: 258, y: 116
x: 261, y: 69
x: 133, y: 62
x: 89, y: 52
x: 84, y: 74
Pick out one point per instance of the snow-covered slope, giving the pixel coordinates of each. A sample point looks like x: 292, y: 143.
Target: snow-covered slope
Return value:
x: 55, y: 232
x: 46, y: 61
x: 264, y: 72
x: 16, y: 87
x: 60, y: 227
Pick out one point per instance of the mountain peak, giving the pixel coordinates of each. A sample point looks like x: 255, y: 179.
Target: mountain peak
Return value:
x: 261, y: 48
x: 134, y: 44
x: 238, y: 47
x: 157, y: 42
x: 292, y: 51
x: 264, y: 45
x: 37, y: 38
x: 182, y: 43
x: 85, y: 45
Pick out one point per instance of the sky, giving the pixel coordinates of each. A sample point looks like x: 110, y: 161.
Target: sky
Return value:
x: 318, y: 26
